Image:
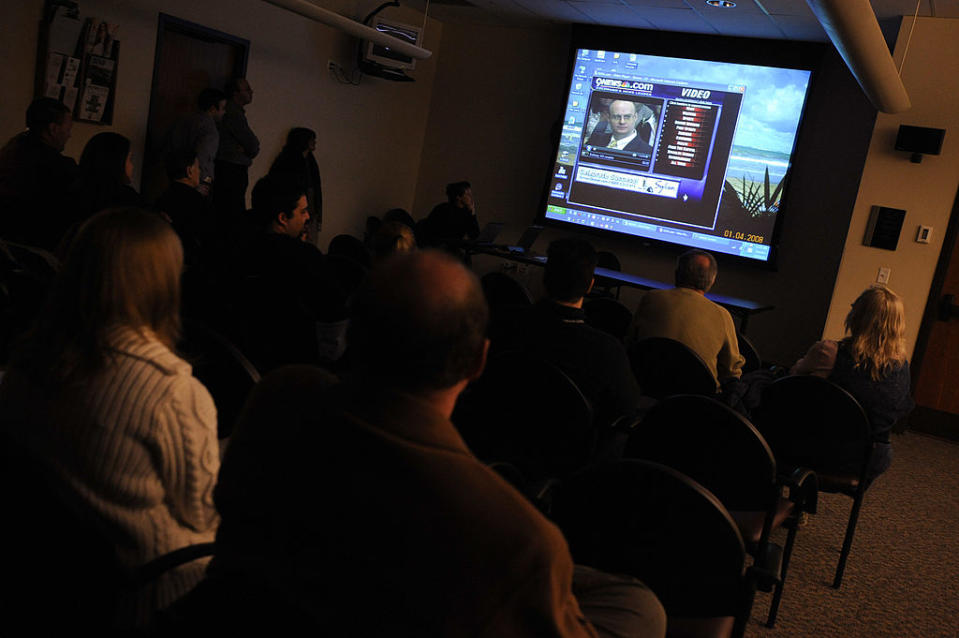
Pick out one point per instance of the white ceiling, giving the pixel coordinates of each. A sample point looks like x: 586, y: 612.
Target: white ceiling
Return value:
x: 779, y: 19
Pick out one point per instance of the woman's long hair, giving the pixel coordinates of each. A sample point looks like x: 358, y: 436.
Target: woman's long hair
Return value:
x: 122, y: 269
x: 104, y: 159
x: 298, y: 140
x: 876, y: 327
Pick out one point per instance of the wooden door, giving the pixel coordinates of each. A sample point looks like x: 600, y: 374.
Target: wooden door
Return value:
x: 936, y: 361
x: 189, y: 58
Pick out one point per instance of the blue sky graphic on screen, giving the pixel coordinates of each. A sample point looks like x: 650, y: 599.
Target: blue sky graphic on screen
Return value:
x: 692, y: 152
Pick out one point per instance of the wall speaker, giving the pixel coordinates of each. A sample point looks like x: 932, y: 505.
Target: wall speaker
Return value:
x: 920, y: 140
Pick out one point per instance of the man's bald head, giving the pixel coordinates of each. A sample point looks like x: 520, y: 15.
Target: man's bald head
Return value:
x: 419, y: 322
x: 696, y: 269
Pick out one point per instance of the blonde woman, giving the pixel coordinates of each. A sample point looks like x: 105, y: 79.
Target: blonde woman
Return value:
x: 870, y: 363
x: 113, y: 418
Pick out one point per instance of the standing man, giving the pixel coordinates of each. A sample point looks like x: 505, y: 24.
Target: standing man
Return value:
x: 35, y: 177
x: 198, y: 133
x: 238, y: 147
x: 623, y: 118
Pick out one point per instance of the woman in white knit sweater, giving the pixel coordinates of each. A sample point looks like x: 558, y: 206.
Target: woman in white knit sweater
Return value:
x: 112, y: 416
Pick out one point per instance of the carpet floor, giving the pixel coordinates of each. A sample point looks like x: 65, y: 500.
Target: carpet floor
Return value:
x: 902, y: 577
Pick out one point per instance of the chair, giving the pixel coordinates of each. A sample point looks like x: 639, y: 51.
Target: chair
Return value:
x: 664, y: 366
x: 608, y: 315
x: 223, y: 369
x: 603, y: 287
x: 501, y: 291
x: 722, y: 451
x: 748, y: 350
x: 26, y: 274
x: 528, y: 413
x: 811, y: 422
x: 651, y: 522
x: 351, y: 247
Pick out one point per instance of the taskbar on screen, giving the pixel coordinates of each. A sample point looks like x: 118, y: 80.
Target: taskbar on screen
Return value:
x: 730, y: 246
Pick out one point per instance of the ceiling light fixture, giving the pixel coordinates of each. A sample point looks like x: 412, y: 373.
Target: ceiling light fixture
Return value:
x: 724, y: 4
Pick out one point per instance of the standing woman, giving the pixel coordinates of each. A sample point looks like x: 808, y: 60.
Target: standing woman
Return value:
x: 870, y: 364
x: 297, y: 160
x: 113, y: 419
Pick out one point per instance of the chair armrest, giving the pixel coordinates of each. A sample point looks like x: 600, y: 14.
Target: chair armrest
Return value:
x: 152, y: 570
x: 803, y: 486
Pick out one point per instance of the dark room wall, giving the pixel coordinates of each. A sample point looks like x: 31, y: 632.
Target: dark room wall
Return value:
x: 498, y: 92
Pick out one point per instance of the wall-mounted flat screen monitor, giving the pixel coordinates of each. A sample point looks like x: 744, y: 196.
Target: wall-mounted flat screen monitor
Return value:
x: 688, y: 151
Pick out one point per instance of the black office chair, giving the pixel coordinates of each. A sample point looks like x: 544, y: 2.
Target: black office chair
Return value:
x: 502, y: 290
x: 722, y: 451
x: 222, y: 368
x: 603, y: 286
x: 664, y: 367
x: 651, y: 522
x: 528, y: 413
x: 748, y: 350
x: 608, y: 315
x: 811, y: 422
x: 350, y: 247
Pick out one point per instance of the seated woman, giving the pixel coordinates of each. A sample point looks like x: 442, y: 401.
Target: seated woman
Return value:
x: 110, y: 416
x: 870, y: 364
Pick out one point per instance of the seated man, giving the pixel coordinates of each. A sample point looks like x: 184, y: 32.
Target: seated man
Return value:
x: 188, y: 211
x: 623, y: 118
x: 35, y: 177
x: 357, y: 510
x: 684, y: 314
x: 286, y: 287
x: 454, y: 219
x: 555, y: 331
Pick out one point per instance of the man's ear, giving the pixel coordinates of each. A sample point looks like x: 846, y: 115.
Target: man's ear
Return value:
x: 279, y: 221
x: 480, y: 361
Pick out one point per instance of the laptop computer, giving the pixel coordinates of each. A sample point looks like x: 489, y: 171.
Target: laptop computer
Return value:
x: 525, y: 242
x: 488, y: 234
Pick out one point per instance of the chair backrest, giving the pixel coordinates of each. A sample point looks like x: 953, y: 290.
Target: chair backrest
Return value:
x: 223, y: 369
x: 608, y: 315
x: 811, y: 421
x: 501, y: 291
x: 529, y: 413
x: 748, y: 350
x: 652, y: 522
x: 350, y: 247
x: 712, y: 444
x: 664, y: 367
x: 608, y: 260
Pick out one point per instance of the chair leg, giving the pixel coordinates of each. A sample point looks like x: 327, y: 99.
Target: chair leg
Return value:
x: 847, y: 543
x: 778, y: 592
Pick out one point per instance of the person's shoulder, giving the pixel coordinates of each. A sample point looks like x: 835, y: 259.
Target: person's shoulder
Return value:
x: 142, y: 351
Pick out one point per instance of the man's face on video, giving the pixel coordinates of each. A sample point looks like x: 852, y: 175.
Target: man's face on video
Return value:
x: 622, y: 118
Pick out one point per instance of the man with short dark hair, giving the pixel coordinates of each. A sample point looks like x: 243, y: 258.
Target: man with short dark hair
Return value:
x: 198, y: 133
x: 555, y: 330
x: 289, y: 288
x: 684, y: 314
x: 448, y: 223
x: 238, y: 146
x: 363, y: 511
x: 189, y: 212
x: 35, y: 177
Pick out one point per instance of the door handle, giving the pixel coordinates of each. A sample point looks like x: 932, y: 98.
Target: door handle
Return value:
x: 948, y: 308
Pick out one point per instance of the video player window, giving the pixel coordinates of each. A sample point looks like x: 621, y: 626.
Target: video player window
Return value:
x: 693, y: 152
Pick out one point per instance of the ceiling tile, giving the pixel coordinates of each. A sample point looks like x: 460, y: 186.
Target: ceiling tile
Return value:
x: 800, y: 28
x: 657, y: 4
x: 786, y: 7
x: 682, y: 20
x: 553, y: 10
x: 612, y: 14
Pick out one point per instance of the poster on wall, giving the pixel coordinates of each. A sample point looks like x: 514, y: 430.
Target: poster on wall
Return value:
x: 97, y: 85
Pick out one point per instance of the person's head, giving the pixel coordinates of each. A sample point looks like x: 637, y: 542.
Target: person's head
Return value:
x: 239, y: 91
x: 569, y: 269
x: 876, y: 326
x: 280, y: 204
x: 622, y: 117
x: 696, y: 269
x: 301, y: 140
x: 213, y: 102
x: 460, y: 194
x: 418, y: 323
x: 51, y: 120
x: 392, y: 238
x: 106, y: 159
x: 121, y: 269
x: 183, y: 166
